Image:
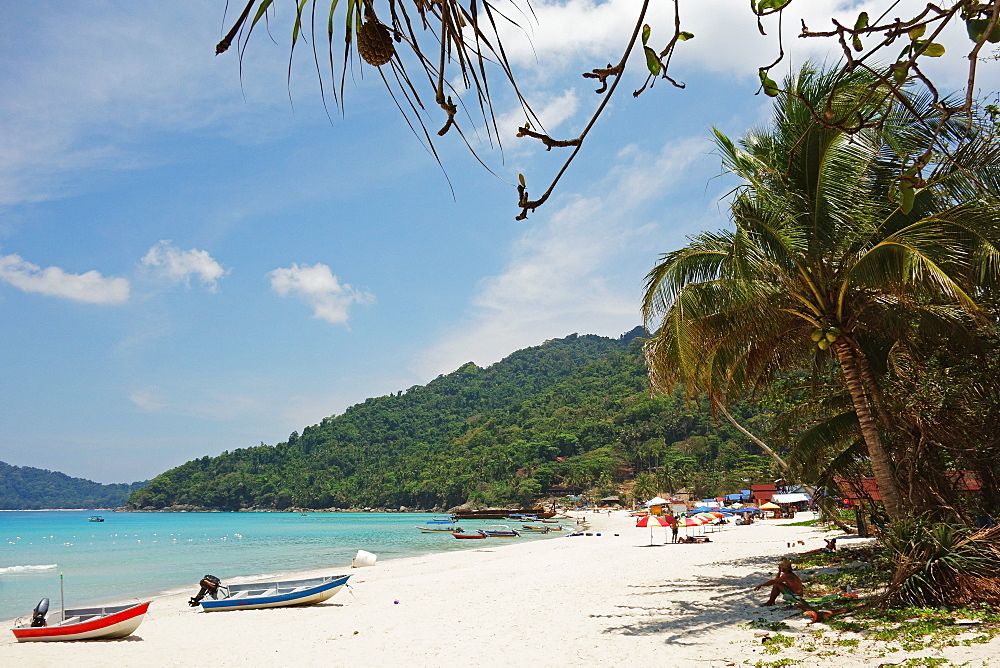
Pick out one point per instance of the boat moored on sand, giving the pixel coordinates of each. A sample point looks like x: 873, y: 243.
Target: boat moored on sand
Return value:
x: 98, y: 623
x: 266, y: 594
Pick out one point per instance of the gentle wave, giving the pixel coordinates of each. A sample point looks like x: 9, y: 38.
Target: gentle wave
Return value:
x: 4, y: 570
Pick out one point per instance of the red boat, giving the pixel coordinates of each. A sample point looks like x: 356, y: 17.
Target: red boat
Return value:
x: 82, y: 623
x: 478, y: 534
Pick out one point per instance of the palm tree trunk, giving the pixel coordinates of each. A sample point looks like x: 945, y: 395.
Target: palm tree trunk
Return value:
x: 783, y: 465
x: 889, y: 490
x: 871, y: 386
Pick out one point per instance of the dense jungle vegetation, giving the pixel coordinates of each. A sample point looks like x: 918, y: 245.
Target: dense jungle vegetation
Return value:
x: 26, y: 488
x: 574, y: 411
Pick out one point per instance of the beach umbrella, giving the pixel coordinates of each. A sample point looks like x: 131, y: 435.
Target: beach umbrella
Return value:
x: 770, y: 506
x: 653, y: 520
x: 692, y: 521
x: 709, y: 518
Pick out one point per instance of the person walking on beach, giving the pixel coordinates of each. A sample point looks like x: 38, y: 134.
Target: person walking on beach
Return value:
x: 674, y: 530
x: 787, y: 582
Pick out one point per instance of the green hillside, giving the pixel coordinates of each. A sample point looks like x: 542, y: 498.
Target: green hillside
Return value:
x: 26, y: 488
x: 573, y: 411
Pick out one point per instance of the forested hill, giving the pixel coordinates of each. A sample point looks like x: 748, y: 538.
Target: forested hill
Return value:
x: 572, y: 411
x: 26, y: 488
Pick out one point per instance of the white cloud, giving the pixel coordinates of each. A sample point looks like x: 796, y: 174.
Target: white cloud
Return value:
x: 317, y: 286
x: 148, y: 401
x: 179, y: 266
x: 565, y: 274
x: 90, y: 287
x: 552, y: 110
x: 580, y: 35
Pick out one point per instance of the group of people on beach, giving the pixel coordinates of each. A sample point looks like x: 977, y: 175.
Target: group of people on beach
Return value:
x: 687, y: 539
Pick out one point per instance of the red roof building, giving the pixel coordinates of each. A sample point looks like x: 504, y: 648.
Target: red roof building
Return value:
x: 762, y: 493
x: 856, y: 491
x: 866, y: 489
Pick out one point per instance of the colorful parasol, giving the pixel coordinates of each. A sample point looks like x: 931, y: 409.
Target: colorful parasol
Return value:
x: 653, y: 520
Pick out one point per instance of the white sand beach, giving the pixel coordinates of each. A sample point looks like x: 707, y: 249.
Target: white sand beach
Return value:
x: 599, y: 600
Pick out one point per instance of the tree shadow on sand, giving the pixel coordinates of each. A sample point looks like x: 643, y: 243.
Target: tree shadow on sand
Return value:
x: 663, y: 605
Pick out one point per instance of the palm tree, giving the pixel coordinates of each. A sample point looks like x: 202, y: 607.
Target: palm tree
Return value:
x: 841, y: 240
x: 645, y: 488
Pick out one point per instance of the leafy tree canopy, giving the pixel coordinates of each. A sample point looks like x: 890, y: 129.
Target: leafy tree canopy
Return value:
x: 27, y: 488
x: 574, y: 411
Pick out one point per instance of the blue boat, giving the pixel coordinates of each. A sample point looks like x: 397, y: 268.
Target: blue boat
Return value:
x: 274, y: 594
x: 500, y: 531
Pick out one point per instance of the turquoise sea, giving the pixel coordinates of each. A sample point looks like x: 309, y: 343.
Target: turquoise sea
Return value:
x: 132, y: 555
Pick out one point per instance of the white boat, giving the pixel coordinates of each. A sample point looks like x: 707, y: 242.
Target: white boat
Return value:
x: 438, y: 525
x: 500, y: 531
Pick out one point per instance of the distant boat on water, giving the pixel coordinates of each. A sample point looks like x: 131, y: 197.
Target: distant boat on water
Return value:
x: 534, y: 529
x: 500, y: 531
x: 95, y: 518
x: 444, y: 523
x: 470, y: 536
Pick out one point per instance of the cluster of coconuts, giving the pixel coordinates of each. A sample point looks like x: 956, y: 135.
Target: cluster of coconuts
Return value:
x: 825, y: 336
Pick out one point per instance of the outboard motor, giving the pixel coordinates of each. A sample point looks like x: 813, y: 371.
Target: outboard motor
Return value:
x: 209, y: 585
x: 38, y: 614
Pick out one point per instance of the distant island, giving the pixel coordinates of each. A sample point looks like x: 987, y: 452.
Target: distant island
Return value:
x: 27, y: 488
x: 568, y: 415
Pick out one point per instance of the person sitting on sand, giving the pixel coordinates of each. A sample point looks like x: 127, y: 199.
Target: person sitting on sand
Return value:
x: 787, y: 582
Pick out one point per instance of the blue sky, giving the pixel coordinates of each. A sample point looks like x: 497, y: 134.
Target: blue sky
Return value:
x: 192, y: 262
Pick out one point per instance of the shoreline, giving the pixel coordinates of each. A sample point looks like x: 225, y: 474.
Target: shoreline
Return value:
x: 599, y: 600
x: 190, y: 589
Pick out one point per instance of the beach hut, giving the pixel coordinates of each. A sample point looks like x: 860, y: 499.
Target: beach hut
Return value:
x: 656, y: 505
x: 791, y: 503
x: 762, y: 493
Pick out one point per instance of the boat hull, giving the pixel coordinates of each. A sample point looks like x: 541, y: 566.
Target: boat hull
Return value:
x: 283, y: 595
x: 117, y: 625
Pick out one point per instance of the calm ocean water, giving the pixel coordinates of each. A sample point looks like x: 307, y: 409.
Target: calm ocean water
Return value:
x: 132, y: 555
